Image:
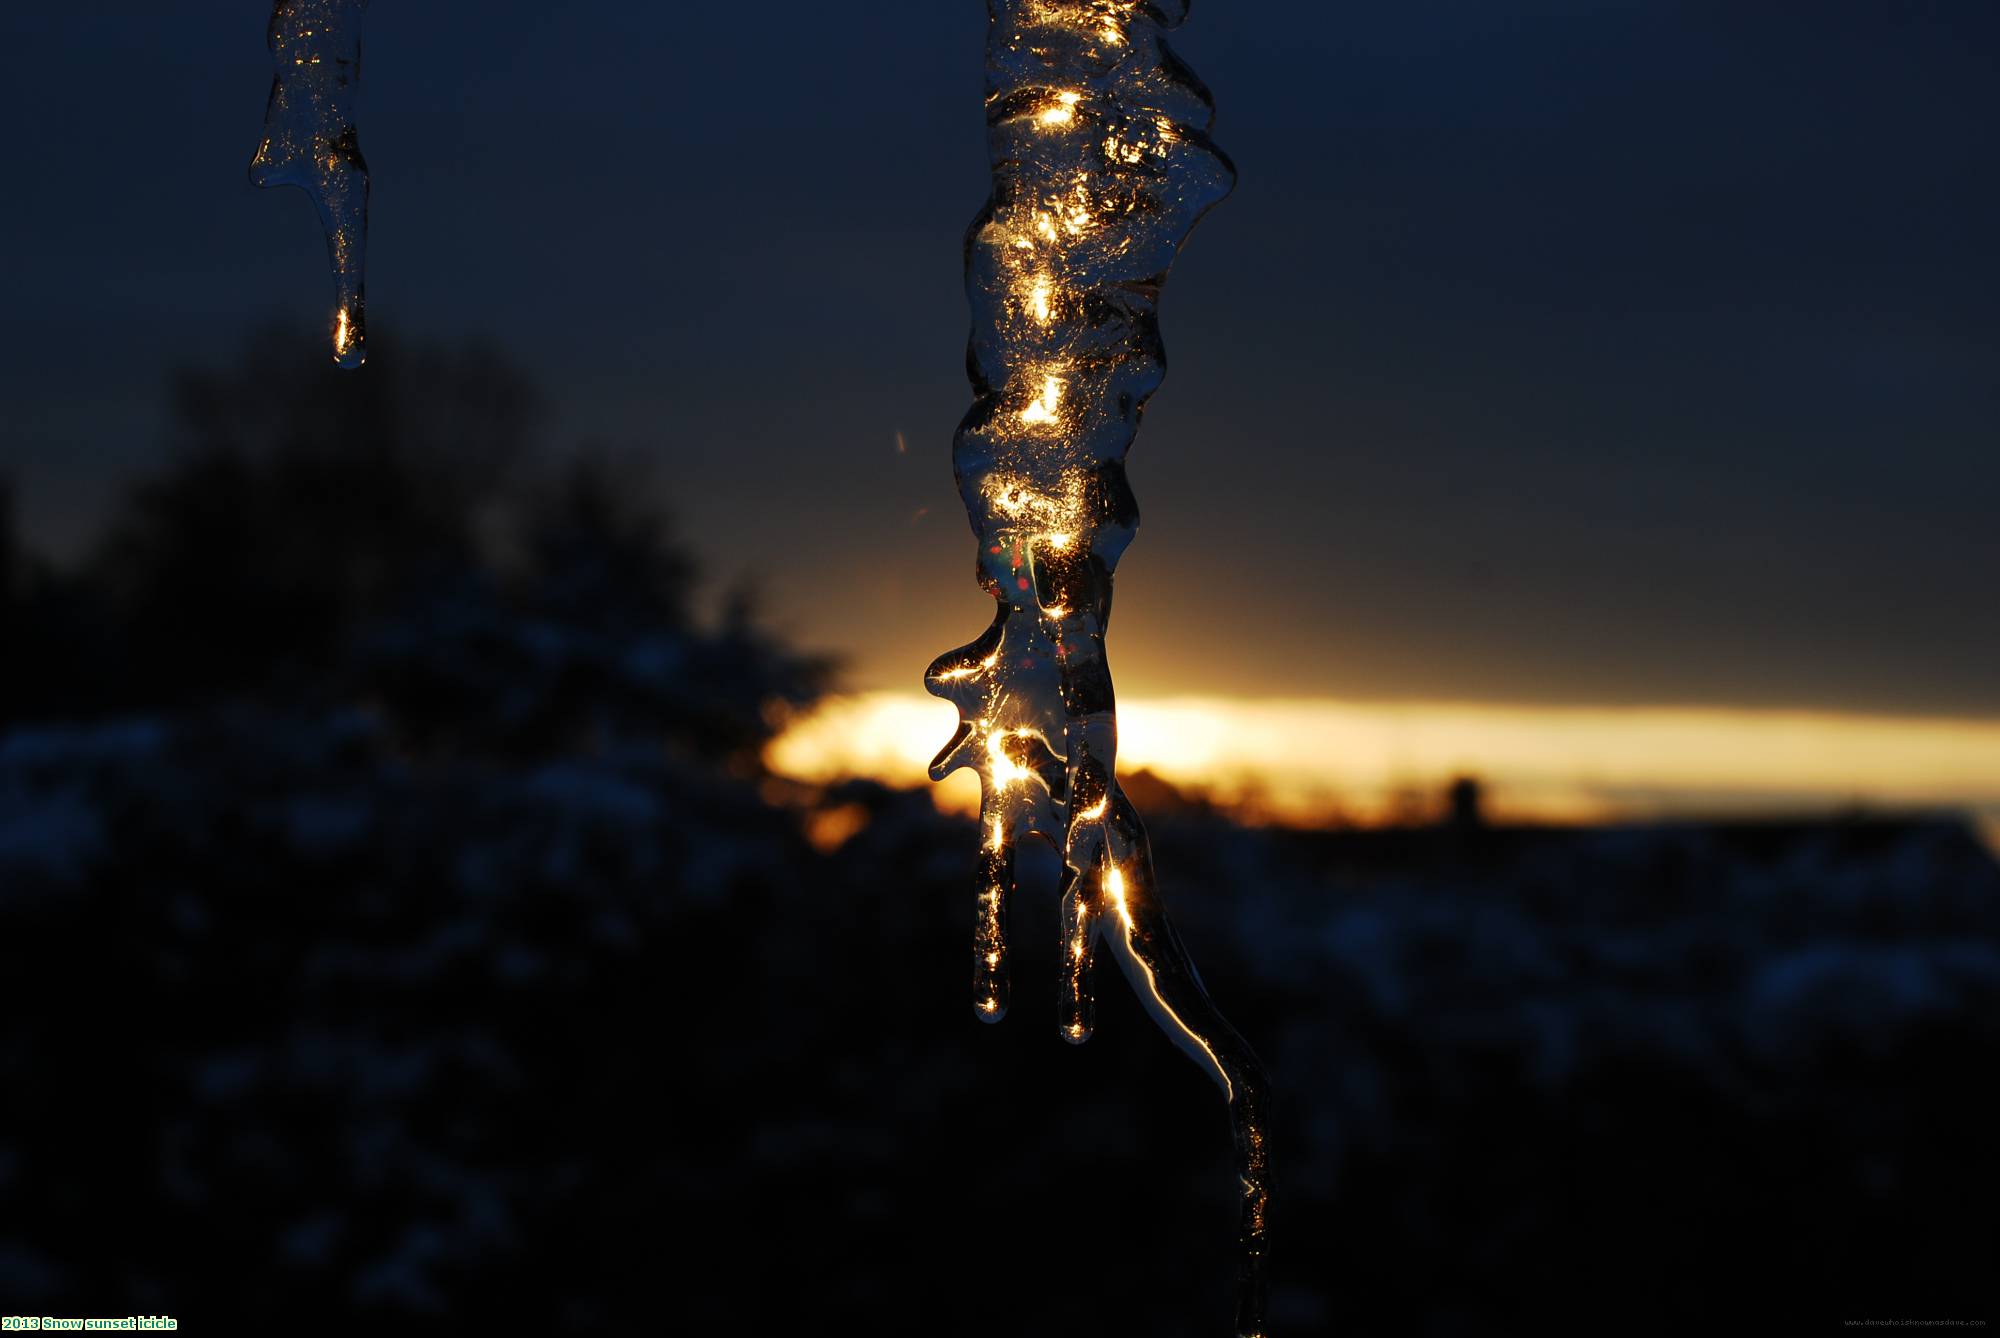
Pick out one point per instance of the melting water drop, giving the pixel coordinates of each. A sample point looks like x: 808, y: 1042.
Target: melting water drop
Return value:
x: 310, y: 142
x: 1102, y: 164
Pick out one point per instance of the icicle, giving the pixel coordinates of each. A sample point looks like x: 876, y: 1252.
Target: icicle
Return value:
x: 309, y: 142
x: 1101, y: 164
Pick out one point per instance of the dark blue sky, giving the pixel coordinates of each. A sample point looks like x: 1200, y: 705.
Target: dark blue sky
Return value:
x: 1588, y: 352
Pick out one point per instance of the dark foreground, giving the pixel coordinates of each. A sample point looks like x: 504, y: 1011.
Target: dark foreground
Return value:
x: 303, y: 1031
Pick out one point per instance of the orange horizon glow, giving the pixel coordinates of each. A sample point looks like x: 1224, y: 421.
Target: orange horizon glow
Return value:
x: 1314, y: 761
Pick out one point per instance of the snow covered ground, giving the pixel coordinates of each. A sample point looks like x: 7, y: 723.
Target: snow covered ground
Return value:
x: 304, y: 1020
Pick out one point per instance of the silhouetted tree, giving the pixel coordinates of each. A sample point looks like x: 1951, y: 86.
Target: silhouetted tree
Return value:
x: 300, y: 504
x: 406, y: 537
x: 577, y: 635
x: 10, y: 556
x: 52, y: 631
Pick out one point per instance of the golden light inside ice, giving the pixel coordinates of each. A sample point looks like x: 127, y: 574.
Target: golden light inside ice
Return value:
x: 1064, y: 110
x: 1046, y: 407
x: 1000, y: 768
x: 1039, y: 292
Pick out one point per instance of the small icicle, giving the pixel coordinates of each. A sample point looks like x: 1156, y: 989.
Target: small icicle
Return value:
x: 310, y: 142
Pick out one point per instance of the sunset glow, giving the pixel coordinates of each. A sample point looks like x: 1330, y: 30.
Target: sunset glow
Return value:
x: 1316, y: 760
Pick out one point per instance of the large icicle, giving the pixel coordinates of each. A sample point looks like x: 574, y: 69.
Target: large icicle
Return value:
x: 1101, y: 164
x: 310, y: 142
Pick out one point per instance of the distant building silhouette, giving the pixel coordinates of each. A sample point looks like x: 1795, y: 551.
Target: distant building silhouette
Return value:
x: 1464, y: 805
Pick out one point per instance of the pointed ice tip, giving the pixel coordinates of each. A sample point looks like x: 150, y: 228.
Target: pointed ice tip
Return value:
x: 955, y: 754
x: 350, y: 339
x: 262, y: 169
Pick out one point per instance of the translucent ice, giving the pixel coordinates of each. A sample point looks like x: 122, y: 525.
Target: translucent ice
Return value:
x: 309, y: 142
x: 1101, y: 164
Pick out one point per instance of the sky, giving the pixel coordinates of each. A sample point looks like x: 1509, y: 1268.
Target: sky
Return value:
x: 1548, y: 355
